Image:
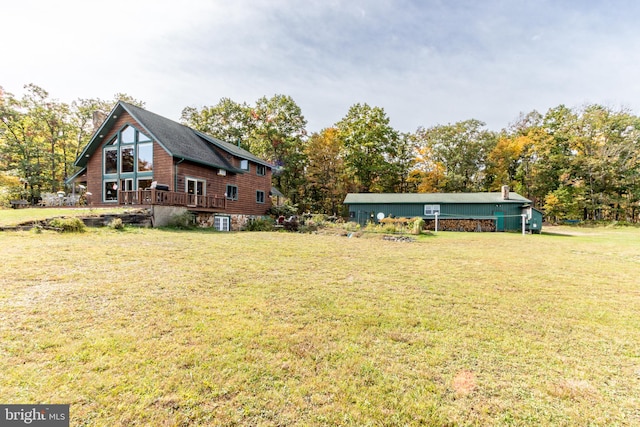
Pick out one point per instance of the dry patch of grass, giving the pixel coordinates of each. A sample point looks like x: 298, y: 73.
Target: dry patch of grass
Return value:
x: 151, y: 327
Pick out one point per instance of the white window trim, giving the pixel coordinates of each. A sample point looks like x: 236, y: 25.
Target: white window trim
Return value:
x: 431, y: 210
x: 137, y: 156
x: 104, y: 194
x: 104, y: 160
x: 196, y: 180
x: 128, y: 146
x: 222, y: 223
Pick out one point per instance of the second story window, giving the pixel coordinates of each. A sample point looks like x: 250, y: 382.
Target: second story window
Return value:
x: 232, y: 192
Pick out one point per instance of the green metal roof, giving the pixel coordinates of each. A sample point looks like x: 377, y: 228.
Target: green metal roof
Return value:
x: 431, y: 198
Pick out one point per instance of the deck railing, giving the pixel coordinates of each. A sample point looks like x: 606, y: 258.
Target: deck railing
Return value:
x: 171, y: 198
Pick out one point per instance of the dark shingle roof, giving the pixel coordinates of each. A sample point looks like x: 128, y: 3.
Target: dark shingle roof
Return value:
x: 179, y: 140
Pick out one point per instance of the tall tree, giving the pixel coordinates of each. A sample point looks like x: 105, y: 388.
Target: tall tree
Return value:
x: 326, y: 184
x: 370, y: 146
x: 401, y: 163
x: 551, y: 151
x: 504, y: 160
x: 427, y: 174
x: 461, y: 149
x: 274, y: 129
x: 605, y: 148
x: 34, y: 142
x: 227, y: 120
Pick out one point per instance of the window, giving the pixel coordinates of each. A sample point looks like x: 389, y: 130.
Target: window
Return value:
x: 127, y: 163
x: 232, y: 192
x: 126, y: 184
x: 260, y: 196
x: 144, y: 183
x: 110, y: 191
x: 244, y: 165
x: 431, y: 209
x: 126, y: 155
x: 127, y: 135
x: 145, y: 157
x: 261, y: 170
x: 195, y: 186
x: 221, y: 223
x: 110, y: 160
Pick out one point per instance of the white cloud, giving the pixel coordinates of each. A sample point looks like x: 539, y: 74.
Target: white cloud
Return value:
x: 424, y: 62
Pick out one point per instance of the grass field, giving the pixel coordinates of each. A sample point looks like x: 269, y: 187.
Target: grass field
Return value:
x: 158, y: 327
x: 11, y: 217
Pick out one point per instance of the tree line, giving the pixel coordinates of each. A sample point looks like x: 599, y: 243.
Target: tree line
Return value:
x: 579, y: 163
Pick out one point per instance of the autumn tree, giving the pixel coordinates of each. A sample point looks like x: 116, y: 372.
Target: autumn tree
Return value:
x: 41, y: 137
x: 326, y: 182
x: 35, y: 139
x: 605, y: 158
x: 455, y: 154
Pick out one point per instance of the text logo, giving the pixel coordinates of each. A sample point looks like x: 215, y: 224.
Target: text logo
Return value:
x: 34, y: 415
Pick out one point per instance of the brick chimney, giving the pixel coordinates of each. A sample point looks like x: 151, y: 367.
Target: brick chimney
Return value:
x: 505, y: 192
x: 98, y: 118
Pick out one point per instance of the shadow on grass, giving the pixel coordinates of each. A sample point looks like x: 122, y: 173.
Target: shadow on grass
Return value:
x: 557, y: 234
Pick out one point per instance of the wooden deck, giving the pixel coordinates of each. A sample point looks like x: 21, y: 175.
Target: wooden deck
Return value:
x: 171, y: 198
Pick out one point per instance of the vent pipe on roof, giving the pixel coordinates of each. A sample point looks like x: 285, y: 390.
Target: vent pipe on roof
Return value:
x: 505, y: 192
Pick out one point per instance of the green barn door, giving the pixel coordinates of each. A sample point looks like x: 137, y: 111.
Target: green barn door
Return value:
x: 499, y: 221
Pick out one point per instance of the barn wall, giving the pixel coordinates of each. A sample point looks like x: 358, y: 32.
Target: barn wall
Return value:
x: 363, y: 213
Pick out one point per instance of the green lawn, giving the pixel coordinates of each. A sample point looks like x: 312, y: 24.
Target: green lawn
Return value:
x: 11, y: 217
x: 154, y: 327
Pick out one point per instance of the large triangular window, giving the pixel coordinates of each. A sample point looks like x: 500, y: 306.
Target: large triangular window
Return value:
x: 128, y: 135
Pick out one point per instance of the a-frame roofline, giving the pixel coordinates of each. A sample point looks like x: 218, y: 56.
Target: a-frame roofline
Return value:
x: 178, y: 140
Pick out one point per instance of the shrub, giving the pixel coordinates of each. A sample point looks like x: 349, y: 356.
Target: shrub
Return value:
x: 416, y: 225
x: 388, y: 225
x: 352, y: 226
x: 308, y: 227
x: 10, y: 189
x: 291, y: 224
x: 183, y: 221
x: 68, y: 225
x: 116, y: 224
x: 286, y: 210
x: 260, y: 224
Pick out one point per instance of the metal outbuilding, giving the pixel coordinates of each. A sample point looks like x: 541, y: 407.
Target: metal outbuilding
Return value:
x: 505, y: 210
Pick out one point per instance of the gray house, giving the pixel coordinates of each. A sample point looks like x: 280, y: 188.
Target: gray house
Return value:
x: 499, y: 211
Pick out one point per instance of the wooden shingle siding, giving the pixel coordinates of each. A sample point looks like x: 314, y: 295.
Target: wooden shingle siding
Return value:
x: 247, y: 183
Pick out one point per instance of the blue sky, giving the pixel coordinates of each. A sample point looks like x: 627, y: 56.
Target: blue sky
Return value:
x: 425, y: 62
